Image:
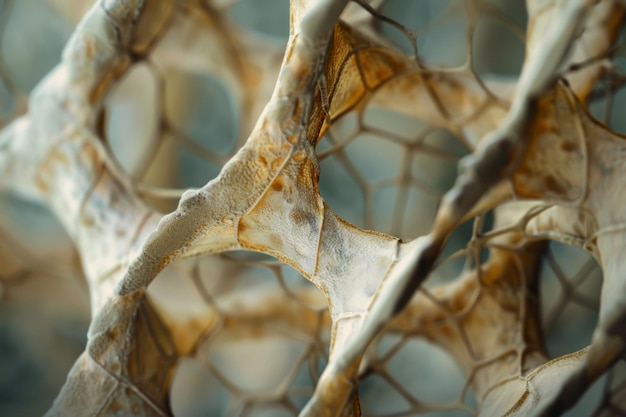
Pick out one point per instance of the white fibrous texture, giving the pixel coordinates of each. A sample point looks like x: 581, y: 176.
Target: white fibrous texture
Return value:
x: 318, y: 208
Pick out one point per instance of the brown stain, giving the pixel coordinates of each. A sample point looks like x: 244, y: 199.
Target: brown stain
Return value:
x: 278, y: 184
x: 242, y: 227
x: 308, y: 174
x: 297, y: 216
x: 277, y: 163
x: 275, y: 240
x: 299, y: 156
x: 113, y: 332
x: 297, y: 110
x: 568, y: 146
x: 553, y: 185
x: 262, y: 161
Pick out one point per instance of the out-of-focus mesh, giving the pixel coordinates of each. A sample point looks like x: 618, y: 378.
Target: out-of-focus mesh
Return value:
x: 245, y: 334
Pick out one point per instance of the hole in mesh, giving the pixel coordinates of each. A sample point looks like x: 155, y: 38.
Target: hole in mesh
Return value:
x: 33, y: 225
x: 445, y: 44
x: 588, y: 403
x: 609, y: 107
x: 341, y: 190
x: 196, y: 392
x: 274, y: 409
x: 249, y: 283
x: 176, y: 295
x: 202, y: 109
x: 496, y: 49
x: 377, y: 159
x: 302, y: 387
x: 571, y: 331
x: 384, y: 202
x: 412, y: 15
x: 270, y: 21
x: 427, y: 372
x: 397, y: 124
x: 256, y: 359
x: 34, y: 37
x: 131, y: 125
x: 615, y: 387
x: 380, y: 398
x: 568, y: 323
x: 304, y: 289
x: 514, y: 10
x: 7, y: 101
x: 419, y: 214
x: 387, y: 343
x: 435, y: 163
x: 342, y: 129
x: 450, y: 270
x: 175, y: 166
x: 196, y: 171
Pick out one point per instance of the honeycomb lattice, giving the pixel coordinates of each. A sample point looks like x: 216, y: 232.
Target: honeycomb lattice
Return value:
x: 377, y: 208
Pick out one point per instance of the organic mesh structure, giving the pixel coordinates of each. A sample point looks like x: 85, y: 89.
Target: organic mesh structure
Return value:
x: 322, y: 256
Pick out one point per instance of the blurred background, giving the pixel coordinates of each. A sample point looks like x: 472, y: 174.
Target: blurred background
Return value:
x: 176, y: 117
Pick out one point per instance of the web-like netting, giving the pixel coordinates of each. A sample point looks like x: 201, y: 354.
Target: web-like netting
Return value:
x: 329, y: 258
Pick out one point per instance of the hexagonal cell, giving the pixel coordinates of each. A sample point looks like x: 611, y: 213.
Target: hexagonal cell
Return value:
x: 419, y: 213
x: 7, y: 101
x: 427, y: 372
x: 342, y: 130
x: 402, y: 127
x: 496, y: 49
x: 587, y: 405
x: 196, y: 171
x: 607, y: 109
x: 196, y: 392
x: 256, y: 361
x: 342, y: 193
x: 376, y: 158
x: 435, y: 165
x: 568, y: 323
x: 445, y: 45
x: 516, y: 11
x: 200, y: 107
x: 379, y: 397
x: 33, y: 40
x: 132, y: 118
x: 270, y: 21
x: 267, y: 409
x: 412, y: 15
x: 302, y: 386
x: 304, y: 289
x: 383, y: 209
x: 232, y: 283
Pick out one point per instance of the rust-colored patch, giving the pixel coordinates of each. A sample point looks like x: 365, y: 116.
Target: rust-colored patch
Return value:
x: 299, y: 156
x: 277, y: 163
x: 568, y: 146
x: 242, y: 226
x: 87, y: 220
x: 113, y: 332
x: 308, y: 174
x: 296, y: 215
x: 553, y: 185
x: 278, y: 184
x: 292, y: 139
x: 90, y: 50
x: 261, y: 160
x: 275, y: 240
x: 297, y: 110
